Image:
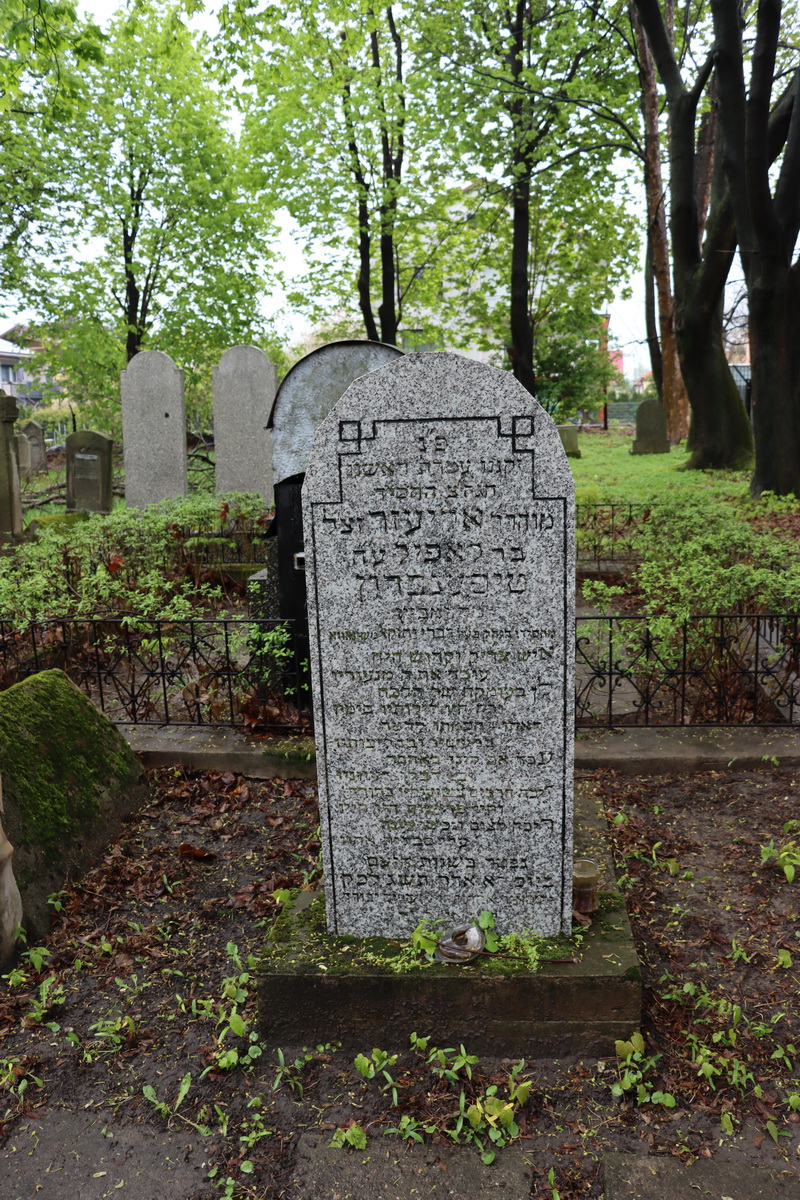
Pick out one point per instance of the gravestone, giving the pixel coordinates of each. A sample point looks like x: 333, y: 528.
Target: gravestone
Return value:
x: 306, y: 396
x: 153, y: 429
x: 439, y: 523
x: 244, y: 392
x: 569, y: 440
x: 89, y: 472
x: 10, y: 503
x: 308, y: 393
x: 33, y: 431
x: 651, y: 429
x: 23, y: 449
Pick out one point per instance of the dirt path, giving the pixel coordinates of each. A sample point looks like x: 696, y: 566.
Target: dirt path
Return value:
x: 129, y: 1064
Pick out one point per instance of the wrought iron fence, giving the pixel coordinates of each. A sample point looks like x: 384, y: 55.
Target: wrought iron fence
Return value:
x: 223, y: 671
x: 719, y: 669
x: 607, y: 532
x: 240, y: 541
x: 723, y: 669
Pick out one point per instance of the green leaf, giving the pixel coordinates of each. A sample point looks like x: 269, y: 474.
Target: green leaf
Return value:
x: 726, y: 1123
x: 186, y: 1083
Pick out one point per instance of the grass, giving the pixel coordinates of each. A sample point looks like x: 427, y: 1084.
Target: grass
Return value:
x: 608, y: 473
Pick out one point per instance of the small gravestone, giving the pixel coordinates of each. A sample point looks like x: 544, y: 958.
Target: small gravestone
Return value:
x: 153, y: 429
x: 33, y: 431
x: 89, y: 472
x: 651, y: 429
x: 244, y: 392
x: 439, y: 524
x: 569, y: 440
x: 23, y: 449
x: 10, y: 503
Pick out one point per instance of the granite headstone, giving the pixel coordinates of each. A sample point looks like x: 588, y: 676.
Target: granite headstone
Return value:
x: 651, y: 429
x: 10, y: 503
x: 153, y: 429
x: 439, y: 519
x: 33, y: 431
x: 89, y: 471
x: 244, y: 392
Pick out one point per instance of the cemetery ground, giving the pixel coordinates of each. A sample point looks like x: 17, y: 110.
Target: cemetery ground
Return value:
x: 130, y: 1062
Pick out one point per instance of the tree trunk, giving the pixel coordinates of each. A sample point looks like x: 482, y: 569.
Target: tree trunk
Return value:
x: 672, y: 391
x: 651, y: 324
x: 775, y: 356
x: 767, y: 220
x: 721, y: 435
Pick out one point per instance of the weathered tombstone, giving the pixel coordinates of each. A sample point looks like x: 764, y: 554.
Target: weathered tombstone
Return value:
x: 439, y: 522
x: 33, y: 431
x: 651, y: 429
x: 306, y: 396
x: 23, y: 449
x: 569, y: 440
x: 89, y: 472
x: 10, y: 504
x: 244, y: 392
x: 153, y: 429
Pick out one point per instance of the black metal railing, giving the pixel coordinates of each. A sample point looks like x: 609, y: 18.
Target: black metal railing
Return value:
x: 718, y: 669
x: 607, y: 532
x: 223, y: 671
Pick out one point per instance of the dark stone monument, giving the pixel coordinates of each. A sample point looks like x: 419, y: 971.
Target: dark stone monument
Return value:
x: 651, y: 429
x: 89, y: 472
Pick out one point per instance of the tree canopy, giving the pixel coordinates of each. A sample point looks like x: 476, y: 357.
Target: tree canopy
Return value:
x: 159, y: 244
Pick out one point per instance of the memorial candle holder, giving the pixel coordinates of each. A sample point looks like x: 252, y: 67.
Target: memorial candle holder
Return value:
x: 585, y: 876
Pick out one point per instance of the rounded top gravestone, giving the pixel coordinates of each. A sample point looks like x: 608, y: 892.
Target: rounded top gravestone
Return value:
x: 308, y: 393
x: 439, y: 521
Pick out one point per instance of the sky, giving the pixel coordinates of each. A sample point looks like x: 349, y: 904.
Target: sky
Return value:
x: 626, y: 328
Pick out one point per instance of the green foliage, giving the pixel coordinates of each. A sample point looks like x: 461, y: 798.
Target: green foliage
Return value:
x: 131, y: 562
x: 352, y: 1136
x: 175, y: 244
x: 46, y: 48
x: 633, y: 1070
x: 787, y: 857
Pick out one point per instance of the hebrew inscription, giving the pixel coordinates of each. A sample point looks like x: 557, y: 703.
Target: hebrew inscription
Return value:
x: 438, y: 514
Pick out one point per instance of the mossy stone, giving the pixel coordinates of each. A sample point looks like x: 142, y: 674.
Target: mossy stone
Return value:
x: 68, y: 778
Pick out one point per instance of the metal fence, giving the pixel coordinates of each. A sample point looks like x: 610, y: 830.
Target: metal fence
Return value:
x: 223, y: 671
x: 719, y: 669
x: 607, y: 532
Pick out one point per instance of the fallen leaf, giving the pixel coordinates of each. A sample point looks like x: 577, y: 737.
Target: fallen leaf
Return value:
x: 186, y: 850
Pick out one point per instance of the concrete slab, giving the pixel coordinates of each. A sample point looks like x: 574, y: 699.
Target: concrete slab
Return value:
x: 208, y: 748
x: 66, y: 1155
x: 636, y: 1177
x: 663, y: 751
x: 310, y: 982
x: 633, y: 751
x: 392, y: 1171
